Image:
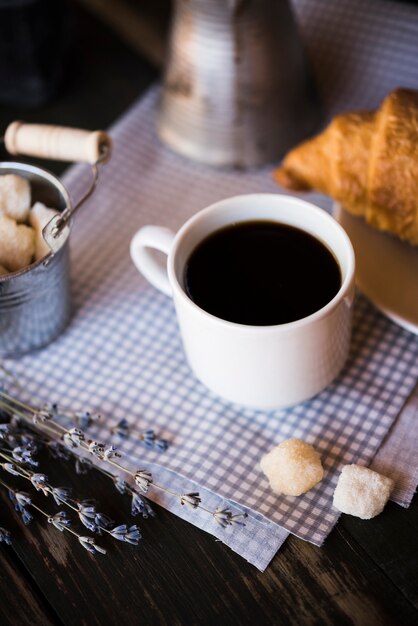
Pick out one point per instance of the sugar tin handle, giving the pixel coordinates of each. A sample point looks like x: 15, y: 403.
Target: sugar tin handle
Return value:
x: 58, y: 142
x: 63, y: 144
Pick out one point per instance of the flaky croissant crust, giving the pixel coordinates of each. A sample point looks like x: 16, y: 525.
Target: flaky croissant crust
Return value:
x: 368, y: 161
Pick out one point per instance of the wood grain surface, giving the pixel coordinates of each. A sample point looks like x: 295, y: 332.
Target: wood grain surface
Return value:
x: 365, y: 574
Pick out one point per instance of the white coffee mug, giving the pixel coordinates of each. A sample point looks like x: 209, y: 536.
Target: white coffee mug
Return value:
x: 257, y: 366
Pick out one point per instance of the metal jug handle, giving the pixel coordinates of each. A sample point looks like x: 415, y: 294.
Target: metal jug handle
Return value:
x: 60, y: 143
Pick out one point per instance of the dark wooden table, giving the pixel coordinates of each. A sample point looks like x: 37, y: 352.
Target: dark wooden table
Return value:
x: 366, y: 573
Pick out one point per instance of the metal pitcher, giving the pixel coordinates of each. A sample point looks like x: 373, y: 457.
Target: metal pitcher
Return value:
x: 237, y: 89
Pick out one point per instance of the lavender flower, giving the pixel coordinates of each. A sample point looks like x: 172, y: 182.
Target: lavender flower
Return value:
x: 5, y: 536
x: 150, y: 441
x: 52, y: 409
x: 237, y: 519
x: 148, y: 437
x: 141, y: 506
x: 103, y: 521
x: 224, y: 517
x: 89, y: 544
x: 60, y: 494
x: 120, y: 484
x: 131, y: 535
x: 111, y: 453
x: 85, y: 419
x: 26, y: 517
x: 96, y: 448
x: 23, y: 499
x: 121, y: 429
x: 20, y: 501
x: 87, y: 514
x: 161, y: 444
x: 11, y: 468
x: 143, y: 479
x: 40, y: 482
x: 191, y: 499
x: 60, y: 520
x: 41, y: 415
x: 73, y: 437
x: 24, y: 454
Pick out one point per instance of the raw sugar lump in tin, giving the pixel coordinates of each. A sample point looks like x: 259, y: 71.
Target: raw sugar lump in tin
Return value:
x: 21, y: 240
x: 15, y: 197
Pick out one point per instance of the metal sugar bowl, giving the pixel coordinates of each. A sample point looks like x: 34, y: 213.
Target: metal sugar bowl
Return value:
x: 35, y: 302
x: 237, y: 89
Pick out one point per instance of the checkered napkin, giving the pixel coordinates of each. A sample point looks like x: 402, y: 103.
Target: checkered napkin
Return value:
x: 122, y: 353
x: 398, y: 455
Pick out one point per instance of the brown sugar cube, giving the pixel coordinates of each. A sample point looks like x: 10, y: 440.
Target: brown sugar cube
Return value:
x: 17, y: 244
x: 15, y: 197
x: 361, y: 491
x: 293, y: 467
x: 39, y: 216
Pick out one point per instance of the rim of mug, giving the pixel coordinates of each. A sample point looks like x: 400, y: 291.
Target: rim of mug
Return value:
x: 345, y: 287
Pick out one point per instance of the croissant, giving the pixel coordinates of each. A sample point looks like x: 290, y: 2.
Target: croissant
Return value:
x: 367, y: 161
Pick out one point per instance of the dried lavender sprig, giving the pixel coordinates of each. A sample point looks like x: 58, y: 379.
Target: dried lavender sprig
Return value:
x: 192, y: 500
x: 59, y: 522
x: 144, y: 481
x: 142, y: 478
x: 21, y: 501
x: 86, y: 511
x: 124, y: 430
x: 84, y: 419
x: 224, y: 517
x: 74, y: 438
x: 17, y: 407
x: 129, y: 534
x: 139, y: 504
x: 37, y: 417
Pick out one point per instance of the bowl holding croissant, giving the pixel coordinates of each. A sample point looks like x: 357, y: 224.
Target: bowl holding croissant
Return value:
x: 367, y: 161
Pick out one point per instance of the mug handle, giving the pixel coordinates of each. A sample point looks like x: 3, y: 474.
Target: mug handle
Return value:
x: 157, y: 238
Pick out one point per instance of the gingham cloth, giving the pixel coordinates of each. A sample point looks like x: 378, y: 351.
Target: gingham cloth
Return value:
x: 398, y: 455
x: 122, y: 353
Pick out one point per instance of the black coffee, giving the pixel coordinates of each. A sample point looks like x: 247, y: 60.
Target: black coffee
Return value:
x: 261, y: 273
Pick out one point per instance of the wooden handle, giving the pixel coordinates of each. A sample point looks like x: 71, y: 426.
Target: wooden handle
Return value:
x: 57, y: 142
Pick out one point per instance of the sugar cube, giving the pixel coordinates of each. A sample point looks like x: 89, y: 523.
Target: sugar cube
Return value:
x: 14, y: 197
x: 293, y: 467
x: 361, y: 491
x: 17, y: 244
x: 39, y: 216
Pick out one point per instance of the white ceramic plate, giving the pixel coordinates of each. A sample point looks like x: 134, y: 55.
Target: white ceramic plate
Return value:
x: 386, y: 269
